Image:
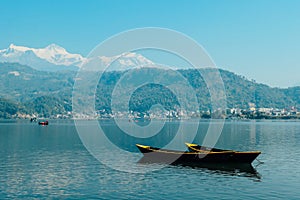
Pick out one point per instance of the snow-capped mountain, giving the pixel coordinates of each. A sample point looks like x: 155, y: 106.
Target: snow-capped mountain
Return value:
x: 54, y: 58
x: 50, y: 58
x: 121, y: 62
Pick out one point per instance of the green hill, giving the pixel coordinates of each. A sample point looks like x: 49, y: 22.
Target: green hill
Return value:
x: 23, y: 89
x: 10, y: 109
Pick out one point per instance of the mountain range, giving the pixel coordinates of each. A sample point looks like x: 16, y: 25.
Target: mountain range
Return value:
x: 40, y: 81
x: 56, y: 58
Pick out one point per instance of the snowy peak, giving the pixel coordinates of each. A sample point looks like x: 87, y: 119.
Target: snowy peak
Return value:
x: 121, y: 62
x: 13, y: 47
x: 51, y: 47
x: 51, y: 55
x: 55, y: 47
x: 13, y: 51
x: 58, y: 55
x: 127, y: 59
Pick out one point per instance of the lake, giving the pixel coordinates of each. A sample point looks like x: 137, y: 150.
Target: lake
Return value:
x: 39, y: 162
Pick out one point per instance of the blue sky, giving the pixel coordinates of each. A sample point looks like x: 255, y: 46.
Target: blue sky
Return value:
x: 259, y: 39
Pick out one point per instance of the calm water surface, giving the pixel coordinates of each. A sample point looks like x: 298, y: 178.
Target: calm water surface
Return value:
x: 51, y: 162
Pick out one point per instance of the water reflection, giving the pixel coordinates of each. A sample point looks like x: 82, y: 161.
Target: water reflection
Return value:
x: 51, y: 162
x: 232, y: 169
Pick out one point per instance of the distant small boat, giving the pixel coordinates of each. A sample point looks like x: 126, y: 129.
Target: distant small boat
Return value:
x: 153, y: 154
x: 237, y: 156
x: 33, y: 119
x: 44, y: 123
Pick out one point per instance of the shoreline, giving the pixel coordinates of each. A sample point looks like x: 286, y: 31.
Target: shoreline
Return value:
x: 154, y: 119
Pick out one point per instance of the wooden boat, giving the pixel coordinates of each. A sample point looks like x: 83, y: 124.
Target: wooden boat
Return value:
x: 44, y: 123
x: 237, y: 156
x: 152, y: 154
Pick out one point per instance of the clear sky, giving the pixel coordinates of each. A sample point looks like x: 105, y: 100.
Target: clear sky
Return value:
x: 259, y: 39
